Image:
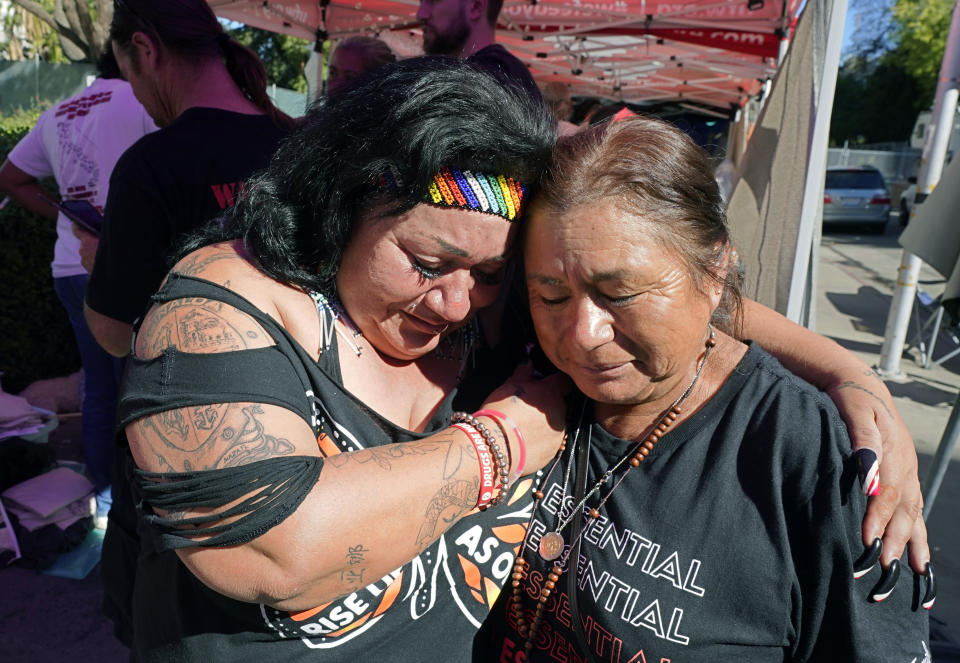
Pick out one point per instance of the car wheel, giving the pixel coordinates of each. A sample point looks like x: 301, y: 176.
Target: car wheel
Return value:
x: 904, y: 213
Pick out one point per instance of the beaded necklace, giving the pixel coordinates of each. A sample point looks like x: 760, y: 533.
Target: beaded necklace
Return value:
x: 458, y: 346
x: 552, y: 544
x: 330, y: 311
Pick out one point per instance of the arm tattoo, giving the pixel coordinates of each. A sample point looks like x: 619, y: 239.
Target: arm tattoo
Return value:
x: 445, y: 507
x: 211, y: 437
x: 381, y: 456
x: 356, y: 557
x: 850, y: 384
x: 251, y: 443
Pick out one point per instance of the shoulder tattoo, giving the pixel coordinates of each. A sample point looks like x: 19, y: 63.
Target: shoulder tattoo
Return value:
x: 194, y: 264
x: 201, y: 326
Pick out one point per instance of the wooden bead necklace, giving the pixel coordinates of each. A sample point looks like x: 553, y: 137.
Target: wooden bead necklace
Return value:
x: 552, y: 544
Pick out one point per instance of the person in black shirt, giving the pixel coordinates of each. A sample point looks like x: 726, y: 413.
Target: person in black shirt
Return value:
x: 466, y: 29
x: 307, y: 487
x: 208, y: 93
x: 706, y: 504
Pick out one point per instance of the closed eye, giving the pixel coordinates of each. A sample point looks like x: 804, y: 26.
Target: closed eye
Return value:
x: 430, y: 273
x: 553, y: 301
x: 621, y: 300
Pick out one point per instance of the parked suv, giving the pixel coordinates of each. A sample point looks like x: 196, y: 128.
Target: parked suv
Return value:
x: 856, y: 196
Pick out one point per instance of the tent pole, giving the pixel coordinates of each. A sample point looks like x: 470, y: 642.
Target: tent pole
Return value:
x: 799, y: 301
x: 934, y: 153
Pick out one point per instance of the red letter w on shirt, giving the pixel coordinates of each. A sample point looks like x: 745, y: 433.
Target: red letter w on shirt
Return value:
x: 226, y: 193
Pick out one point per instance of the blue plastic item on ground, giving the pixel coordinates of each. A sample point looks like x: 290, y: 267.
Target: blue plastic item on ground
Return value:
x: 77, y: 563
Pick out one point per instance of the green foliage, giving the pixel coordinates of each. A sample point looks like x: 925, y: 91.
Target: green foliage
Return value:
x: 893, y: 70
x: 40, y: 39
x: 921, y: 34
x: 873, y: 29
x: 60, y: 30
x: 284, y: 56
x: 875, y: 102
x: 37, y: 340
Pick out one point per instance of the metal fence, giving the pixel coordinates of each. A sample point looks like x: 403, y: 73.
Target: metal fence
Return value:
x: 895, y: 165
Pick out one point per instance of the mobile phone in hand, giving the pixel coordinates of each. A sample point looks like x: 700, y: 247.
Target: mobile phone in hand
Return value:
x: 80, y: 212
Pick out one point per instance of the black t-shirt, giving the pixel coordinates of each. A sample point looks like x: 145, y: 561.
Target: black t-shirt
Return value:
x: 426, y: 610
x: 733, y: 541
x: 169, y: 183
x: 497, y: 61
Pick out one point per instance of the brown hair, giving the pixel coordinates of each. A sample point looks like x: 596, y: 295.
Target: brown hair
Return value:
x: 375, y: 52
x: 653, y: 171
x: 190, y: 29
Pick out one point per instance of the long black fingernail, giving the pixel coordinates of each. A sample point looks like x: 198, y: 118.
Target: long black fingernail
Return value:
x: 931, y: 594
x: 868, y: 559
x: 888, y: 580
x: 868, y: 467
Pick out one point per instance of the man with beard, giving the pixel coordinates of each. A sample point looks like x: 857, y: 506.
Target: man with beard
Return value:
x: 466, y: 29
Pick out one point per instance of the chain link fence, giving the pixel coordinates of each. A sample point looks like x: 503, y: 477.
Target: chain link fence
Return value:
x: 896, y: 163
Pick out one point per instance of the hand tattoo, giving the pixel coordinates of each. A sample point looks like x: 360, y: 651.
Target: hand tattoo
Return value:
x: 850, y: 384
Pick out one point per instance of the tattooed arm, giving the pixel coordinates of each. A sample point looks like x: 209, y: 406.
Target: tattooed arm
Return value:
x: 872, y: 422
x: 369, y: 512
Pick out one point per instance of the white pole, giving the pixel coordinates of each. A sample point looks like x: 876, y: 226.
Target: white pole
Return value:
x: 799, y: 300
x: 934, y: 153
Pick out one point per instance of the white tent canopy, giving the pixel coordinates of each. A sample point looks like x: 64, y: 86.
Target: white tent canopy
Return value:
x: 716, y: 53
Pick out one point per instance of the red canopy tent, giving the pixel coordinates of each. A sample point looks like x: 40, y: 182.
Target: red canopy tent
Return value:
x: 717, y: 53
x: 710, y: 56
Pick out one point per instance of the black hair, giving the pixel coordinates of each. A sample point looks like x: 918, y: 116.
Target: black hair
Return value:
x: 190, y: 29
x: 493, y: 11
x: 409, y: 118
x: 107, y: 65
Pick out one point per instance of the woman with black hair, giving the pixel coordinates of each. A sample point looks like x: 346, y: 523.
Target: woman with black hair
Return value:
x: 308, y: 487
x: 292, y: 387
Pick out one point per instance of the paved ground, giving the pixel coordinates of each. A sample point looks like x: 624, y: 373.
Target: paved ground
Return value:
x: 855, y: 284
x: 46, y: 620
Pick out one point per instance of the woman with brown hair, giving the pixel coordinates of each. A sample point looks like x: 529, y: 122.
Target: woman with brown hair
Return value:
x: 705, y: 503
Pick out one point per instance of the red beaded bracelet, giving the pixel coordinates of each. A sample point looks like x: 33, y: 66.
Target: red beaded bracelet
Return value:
x: 497, y: 416
x: 485, y: 458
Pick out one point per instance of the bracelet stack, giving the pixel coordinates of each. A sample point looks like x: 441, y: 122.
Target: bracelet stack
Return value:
x: 487, y: 471
x: 503, y: 421
x: 494, y: 462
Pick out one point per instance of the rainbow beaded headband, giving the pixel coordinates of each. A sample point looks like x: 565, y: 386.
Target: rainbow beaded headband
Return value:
x: 492, y: 194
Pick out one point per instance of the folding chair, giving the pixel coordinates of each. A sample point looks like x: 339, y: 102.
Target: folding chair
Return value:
x: 926, y: 337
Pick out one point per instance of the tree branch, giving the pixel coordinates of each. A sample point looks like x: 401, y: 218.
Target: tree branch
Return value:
x: 37, y: 10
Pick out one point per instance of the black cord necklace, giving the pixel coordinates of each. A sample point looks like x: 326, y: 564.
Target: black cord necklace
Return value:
x: 556, y: 547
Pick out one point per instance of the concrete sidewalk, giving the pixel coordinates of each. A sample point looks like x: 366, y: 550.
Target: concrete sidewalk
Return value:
x: 856, y: 278
x: 45, y: 619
